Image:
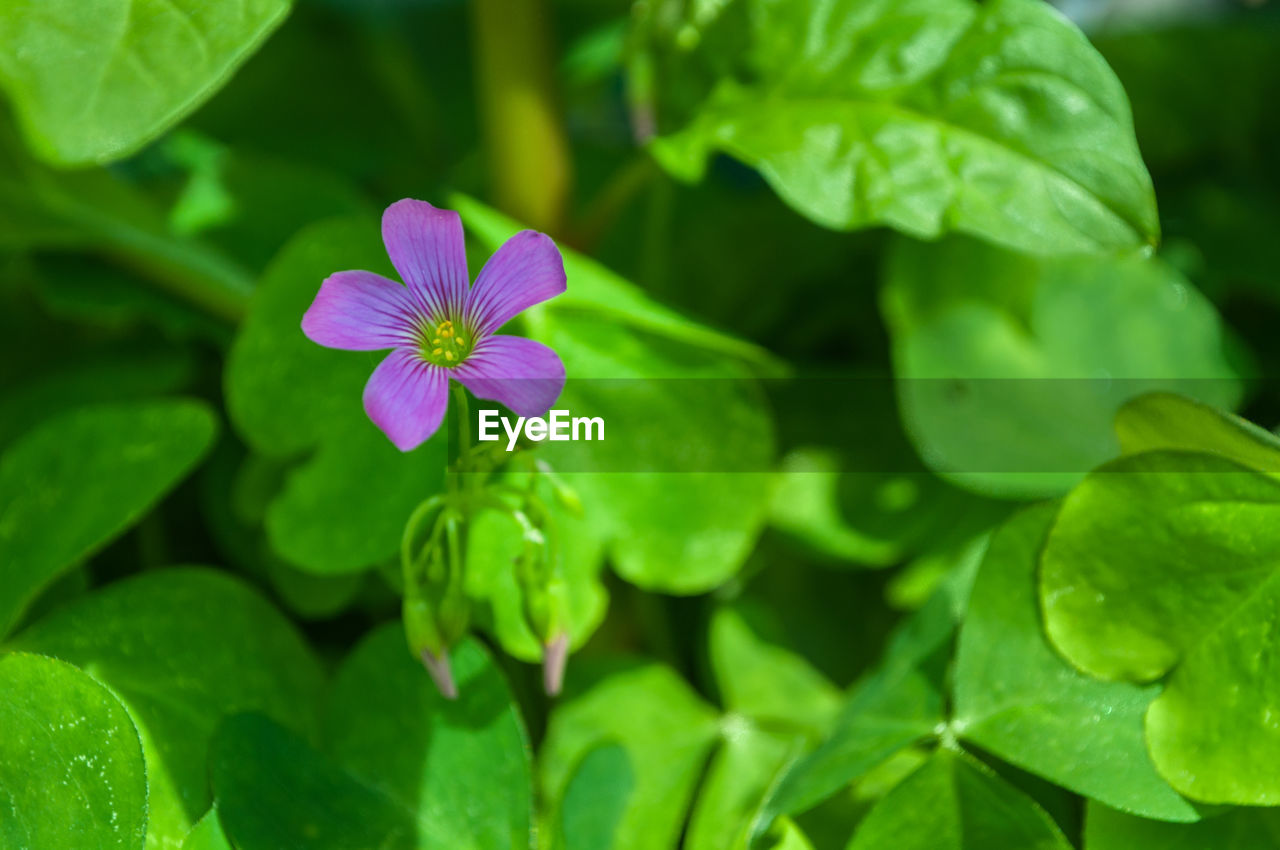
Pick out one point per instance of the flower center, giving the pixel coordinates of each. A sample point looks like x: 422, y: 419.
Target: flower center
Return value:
x: 444, y: 346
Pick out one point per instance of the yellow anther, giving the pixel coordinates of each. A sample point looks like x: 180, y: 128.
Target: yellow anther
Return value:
x: 435, y: 341
x: 448, y: 355
x: 438, y: 351
x: 461, y: 341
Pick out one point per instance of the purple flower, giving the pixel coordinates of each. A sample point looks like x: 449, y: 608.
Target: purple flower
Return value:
x: 438, y: 327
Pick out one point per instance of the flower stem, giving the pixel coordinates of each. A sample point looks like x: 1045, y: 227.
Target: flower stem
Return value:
x: 464, y: 427
x: 524, y: 130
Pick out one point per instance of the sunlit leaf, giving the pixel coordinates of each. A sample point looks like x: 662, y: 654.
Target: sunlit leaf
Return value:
x: 1165, y: 563
x: 995, y: 119
x: 95, y: 85
x: 1016, y: 698
x: 71, y: 772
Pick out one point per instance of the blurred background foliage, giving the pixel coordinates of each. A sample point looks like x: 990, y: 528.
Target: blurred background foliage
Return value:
x: 902, y: 218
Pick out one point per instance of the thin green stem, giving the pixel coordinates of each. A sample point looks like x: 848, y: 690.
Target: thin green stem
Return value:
x: 464, y: 427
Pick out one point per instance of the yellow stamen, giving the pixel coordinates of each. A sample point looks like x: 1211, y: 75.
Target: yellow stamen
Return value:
x: 461, y: 341
x: 448, y: 355
x: 438, y: 351
x: 435, y: 341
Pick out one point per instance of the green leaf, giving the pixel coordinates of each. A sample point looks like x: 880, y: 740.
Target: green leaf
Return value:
x: 183, y: 648
x: 1167, y: 561
x: 779, y: 707
x: 956, y: 803
x: 1016, y: 698
x: 71, y: 772
x: 1165, y: 421
x: 96, y: 87
x: 1013, y: 367
x: 1235, y: 829
x: 461, y: 767
x: 665, y: 730
x: 402, y: 767
x: 207, y: 834
x: 288, y: 397
x: 996, y: 119
x: 764, y: 681
x: 642, y: 368
x: 595, y: 799
x: 274, y: 790
x: 71, y: 485
x: 899, y: 704
x: 743, y: 769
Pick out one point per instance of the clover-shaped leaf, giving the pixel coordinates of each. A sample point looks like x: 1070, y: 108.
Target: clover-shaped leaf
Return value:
x: 1017, y: 699
x: 289, y: 398
x: 1167, y: 563
x: 183, y: 648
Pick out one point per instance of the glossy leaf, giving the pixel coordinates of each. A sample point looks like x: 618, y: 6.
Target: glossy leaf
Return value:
x: 956, y: 803
x: 71, y: 772
x: 288, y: 397
x: 75, y: 482
x: 95, y: 85
x: 996, y: 119
x: 184, y: 648
x: 1011, y: 368
x: 1165, y: 421
x: 1169, y: 558
x: 1016, y: 698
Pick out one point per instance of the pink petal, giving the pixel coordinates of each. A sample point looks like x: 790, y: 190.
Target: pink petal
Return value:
x: 427, y: 248
x: 406, y: 397
x: 524, y: 375
x: 525, y: 271
x: 360, y: 311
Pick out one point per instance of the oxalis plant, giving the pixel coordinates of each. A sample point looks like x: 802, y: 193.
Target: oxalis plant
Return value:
x: 441, y: 331
x: 931, y: 503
